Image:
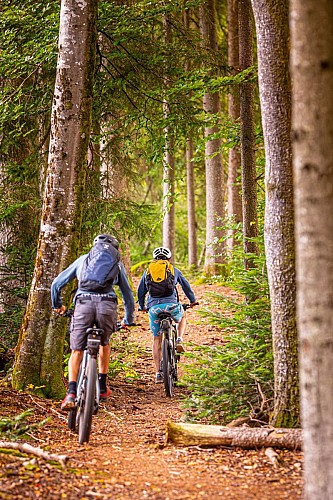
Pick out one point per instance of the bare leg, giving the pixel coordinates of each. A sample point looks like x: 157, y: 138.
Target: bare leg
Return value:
x: 74, y: 365
x: 104, y: 358
x: 181, y: 326
x: 157, y: 351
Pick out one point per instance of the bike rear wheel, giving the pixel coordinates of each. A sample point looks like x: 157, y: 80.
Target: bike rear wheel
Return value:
x: 88, y: 401
x: 168, y: 377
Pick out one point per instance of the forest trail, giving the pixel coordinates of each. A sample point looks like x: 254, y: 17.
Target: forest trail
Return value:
x: 127, y: 457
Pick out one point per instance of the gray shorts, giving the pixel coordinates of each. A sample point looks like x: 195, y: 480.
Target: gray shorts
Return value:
x: 93, y: 310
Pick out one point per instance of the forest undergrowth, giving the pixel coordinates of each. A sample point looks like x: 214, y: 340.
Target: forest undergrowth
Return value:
x: 127, y: 456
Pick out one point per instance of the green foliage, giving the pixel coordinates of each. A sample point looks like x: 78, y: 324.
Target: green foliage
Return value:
x: 124, y: 353
x: 139, y: 267
x: 19, y: 223
x: 137, y: 71
x: 12, y: 428
x: 228, y: 380
x: 28, y: 39
x: 134, y: 76
x: 10, y: 322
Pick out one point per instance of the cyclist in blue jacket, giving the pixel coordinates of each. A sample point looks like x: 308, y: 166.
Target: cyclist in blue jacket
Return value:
x: 92, y: 308
x: 170, y: 304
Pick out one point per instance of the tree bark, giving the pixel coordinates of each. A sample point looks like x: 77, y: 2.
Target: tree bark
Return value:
x: 168, y: 170
x: 272, y: 28
x: 191, y: 224
x: 169, y: 194
x: 235, y: 213
x: 249, y: 183
x: 311, y: 24
x: 190, y: 184
x: 216, y: 435
x: 39, y: 353
x: 214, y: 170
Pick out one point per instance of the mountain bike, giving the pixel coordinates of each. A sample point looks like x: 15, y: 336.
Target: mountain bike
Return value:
x: 88, y: 391
x: 170, y: 357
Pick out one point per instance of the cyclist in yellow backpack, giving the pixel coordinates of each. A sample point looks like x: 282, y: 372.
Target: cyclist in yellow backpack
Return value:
x: 159, y: 282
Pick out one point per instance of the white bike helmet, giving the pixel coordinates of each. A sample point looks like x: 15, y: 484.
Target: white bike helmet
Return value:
x: 161, y: 253
x: 101, y: 238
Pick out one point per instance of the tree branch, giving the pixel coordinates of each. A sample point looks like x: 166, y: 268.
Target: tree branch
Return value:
x: 38, y: 452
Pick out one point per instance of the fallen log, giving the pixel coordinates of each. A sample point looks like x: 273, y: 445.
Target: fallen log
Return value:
x: 32, y: 450
x: 243, y: 437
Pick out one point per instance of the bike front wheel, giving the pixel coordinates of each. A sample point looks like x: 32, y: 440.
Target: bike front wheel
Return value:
x: 88, y: 401
x: 168, y: 376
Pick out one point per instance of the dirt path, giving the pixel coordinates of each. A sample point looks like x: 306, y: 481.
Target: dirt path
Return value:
x: 127, y: 457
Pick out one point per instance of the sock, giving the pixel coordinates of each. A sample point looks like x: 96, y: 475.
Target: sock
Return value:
x: 72, y: 387
x: 102, y: 381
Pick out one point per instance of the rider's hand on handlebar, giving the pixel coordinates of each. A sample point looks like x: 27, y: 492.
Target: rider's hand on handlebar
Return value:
x: 61, y: 310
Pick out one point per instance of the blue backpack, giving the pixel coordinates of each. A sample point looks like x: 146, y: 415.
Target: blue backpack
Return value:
x: 100, y: 268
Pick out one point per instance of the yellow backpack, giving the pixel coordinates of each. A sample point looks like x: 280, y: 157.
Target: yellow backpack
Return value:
x: 160, y: 278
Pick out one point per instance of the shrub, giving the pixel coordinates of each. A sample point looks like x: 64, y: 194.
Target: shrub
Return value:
x: 235, y: 378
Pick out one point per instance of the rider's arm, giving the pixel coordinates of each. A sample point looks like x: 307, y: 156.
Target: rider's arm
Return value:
x: 185, y: 286
x: 61, y: 280
x: 142, y: 291
x: 127, y: 295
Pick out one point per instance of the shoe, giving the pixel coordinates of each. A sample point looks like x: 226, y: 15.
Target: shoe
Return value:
x: 68, y: 402
x: 105, y: 394
x: 159, y: 378
x: 179, y: 346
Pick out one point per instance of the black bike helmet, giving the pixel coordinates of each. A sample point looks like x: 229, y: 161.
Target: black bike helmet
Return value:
x: 101, y: 238
x: 161, y: 253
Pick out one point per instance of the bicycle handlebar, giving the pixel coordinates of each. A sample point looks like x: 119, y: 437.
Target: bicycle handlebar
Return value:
x: 185, y: 306
x: 189, y: 306
x: 68, y: 313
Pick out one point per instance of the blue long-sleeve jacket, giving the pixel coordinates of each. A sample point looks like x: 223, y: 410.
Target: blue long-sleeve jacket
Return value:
x: 152, y: 301
x: 73, y: 271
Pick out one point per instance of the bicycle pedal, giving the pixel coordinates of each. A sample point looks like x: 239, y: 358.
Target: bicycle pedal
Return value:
x: 180, y: 349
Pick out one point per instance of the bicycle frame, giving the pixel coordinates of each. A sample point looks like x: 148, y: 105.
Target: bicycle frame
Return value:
x: 92, y: 349
x: 88, y: 391
x: 169, y: 355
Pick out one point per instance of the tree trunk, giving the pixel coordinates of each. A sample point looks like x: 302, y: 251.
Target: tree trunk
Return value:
x: 113, y: 182
x: 214, y: 169
x: 169, y: 194
x: 39, y: 353
x: 312, y: 123
x: 249, y: 183
x: 242, y: 437
x: 168, y: 170
x: 235, y: 213
x: 191, y: 218
x: 272, y: 27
